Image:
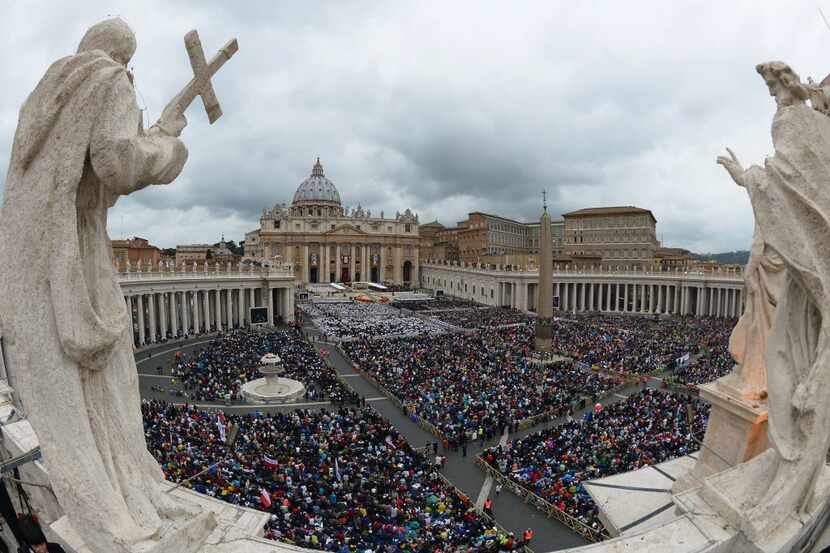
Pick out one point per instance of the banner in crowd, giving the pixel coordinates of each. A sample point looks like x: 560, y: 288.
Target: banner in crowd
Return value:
x: 683, y: 360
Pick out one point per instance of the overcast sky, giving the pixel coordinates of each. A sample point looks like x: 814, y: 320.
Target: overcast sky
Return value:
x: 446, y: 107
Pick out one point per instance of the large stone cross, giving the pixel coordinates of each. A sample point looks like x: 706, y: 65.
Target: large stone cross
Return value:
x: 201, y: 84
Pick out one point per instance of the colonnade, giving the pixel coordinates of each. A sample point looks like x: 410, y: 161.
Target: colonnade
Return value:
x: 648, y: 298
x: 168, y: 305
x: 677, y: 293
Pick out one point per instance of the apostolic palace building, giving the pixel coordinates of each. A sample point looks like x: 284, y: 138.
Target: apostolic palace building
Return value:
x: 326, y: 243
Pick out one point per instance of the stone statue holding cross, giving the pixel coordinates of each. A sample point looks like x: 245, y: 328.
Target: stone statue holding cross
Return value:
x: 79, y: 146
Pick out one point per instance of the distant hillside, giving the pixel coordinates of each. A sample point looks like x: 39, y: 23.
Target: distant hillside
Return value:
x: 729, y: 258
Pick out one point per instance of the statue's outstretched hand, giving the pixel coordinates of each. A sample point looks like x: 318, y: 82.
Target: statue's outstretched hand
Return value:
x: 172, y: 121
x: 731, y: 163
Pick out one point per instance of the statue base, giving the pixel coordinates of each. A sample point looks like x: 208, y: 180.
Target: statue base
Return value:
x: 181, y: 536
x: 737, y: 432
x: 732, y: 494
x: 233, y: 529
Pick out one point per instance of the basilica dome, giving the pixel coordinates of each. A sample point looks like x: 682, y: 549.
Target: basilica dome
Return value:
x: 316, y: 190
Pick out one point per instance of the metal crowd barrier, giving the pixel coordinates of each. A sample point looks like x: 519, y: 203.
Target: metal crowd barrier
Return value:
x: 551, y: 510
x: 466, y: 499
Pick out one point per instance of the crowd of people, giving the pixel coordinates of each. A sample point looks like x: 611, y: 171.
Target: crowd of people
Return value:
x: 335, y: 480
x: 647, y: 428
x: 471, y: 386
x: 217, y: 371
x: 350, y: 320
x: 709, y: 364
x: 636, y: 344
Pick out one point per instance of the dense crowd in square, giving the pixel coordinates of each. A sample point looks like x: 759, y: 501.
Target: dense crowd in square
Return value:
x: 217, y: 371
x: 343, y: 481
x: 647, y: 428
x: 709, y: 364
x: 474, y: 385
x: 639, y: 345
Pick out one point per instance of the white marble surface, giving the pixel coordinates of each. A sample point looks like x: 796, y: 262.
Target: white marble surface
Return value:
x: 626, y: 500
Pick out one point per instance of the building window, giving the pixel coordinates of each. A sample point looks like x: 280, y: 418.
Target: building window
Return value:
x: 276, y: 224
x: 332, y: 227
x: 407, y: 227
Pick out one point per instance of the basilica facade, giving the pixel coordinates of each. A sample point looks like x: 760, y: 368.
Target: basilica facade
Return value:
x: 325, y: 242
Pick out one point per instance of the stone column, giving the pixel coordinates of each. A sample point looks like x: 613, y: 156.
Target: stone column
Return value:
x: 129, y: 300
x: 151, y: 315
x: 581, y: 296
x: 174, y: 314
x: 289, y: 303
x: 306, y: 265
x: 590, y: 296
x: 270, y: 305
x: 251, y: 300
x: 352, y: 262
x: 365, y: 270
x: 185, y: 304
x: 626, y: 309
x: 396, y: 260
x: 229, y: 306
x: 337, y: 264
x: 192, y: 310
x: 163, y: 314
x: 141, y: 319
x: 196, y: 311
x: 206, y: 319
x: 240, y: 296
x: 217, y: 302
x: 323, y: 269
x: 416, y: 266
x: 643, y: 298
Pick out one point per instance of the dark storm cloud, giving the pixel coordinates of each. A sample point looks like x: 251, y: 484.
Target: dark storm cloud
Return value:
x: 447, y: 108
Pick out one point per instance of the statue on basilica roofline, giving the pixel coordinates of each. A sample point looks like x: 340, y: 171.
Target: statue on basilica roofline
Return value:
x: 787, y: 314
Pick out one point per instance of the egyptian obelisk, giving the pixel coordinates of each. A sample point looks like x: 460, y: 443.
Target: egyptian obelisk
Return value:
x: 544, y: 307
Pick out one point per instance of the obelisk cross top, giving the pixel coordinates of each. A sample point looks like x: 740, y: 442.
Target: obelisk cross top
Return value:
x: 200, y: 84
x: 545, y: 200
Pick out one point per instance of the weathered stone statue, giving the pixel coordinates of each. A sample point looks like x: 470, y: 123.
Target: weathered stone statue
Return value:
x: 78, y: 147
x: 791, y: 199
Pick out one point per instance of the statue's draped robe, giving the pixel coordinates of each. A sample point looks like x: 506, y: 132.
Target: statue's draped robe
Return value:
x: 764, y: 279
x: 791, y: 200
x: 78, y: 146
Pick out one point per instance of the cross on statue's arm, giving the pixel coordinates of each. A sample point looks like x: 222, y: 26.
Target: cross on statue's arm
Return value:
x: 200, y: 84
